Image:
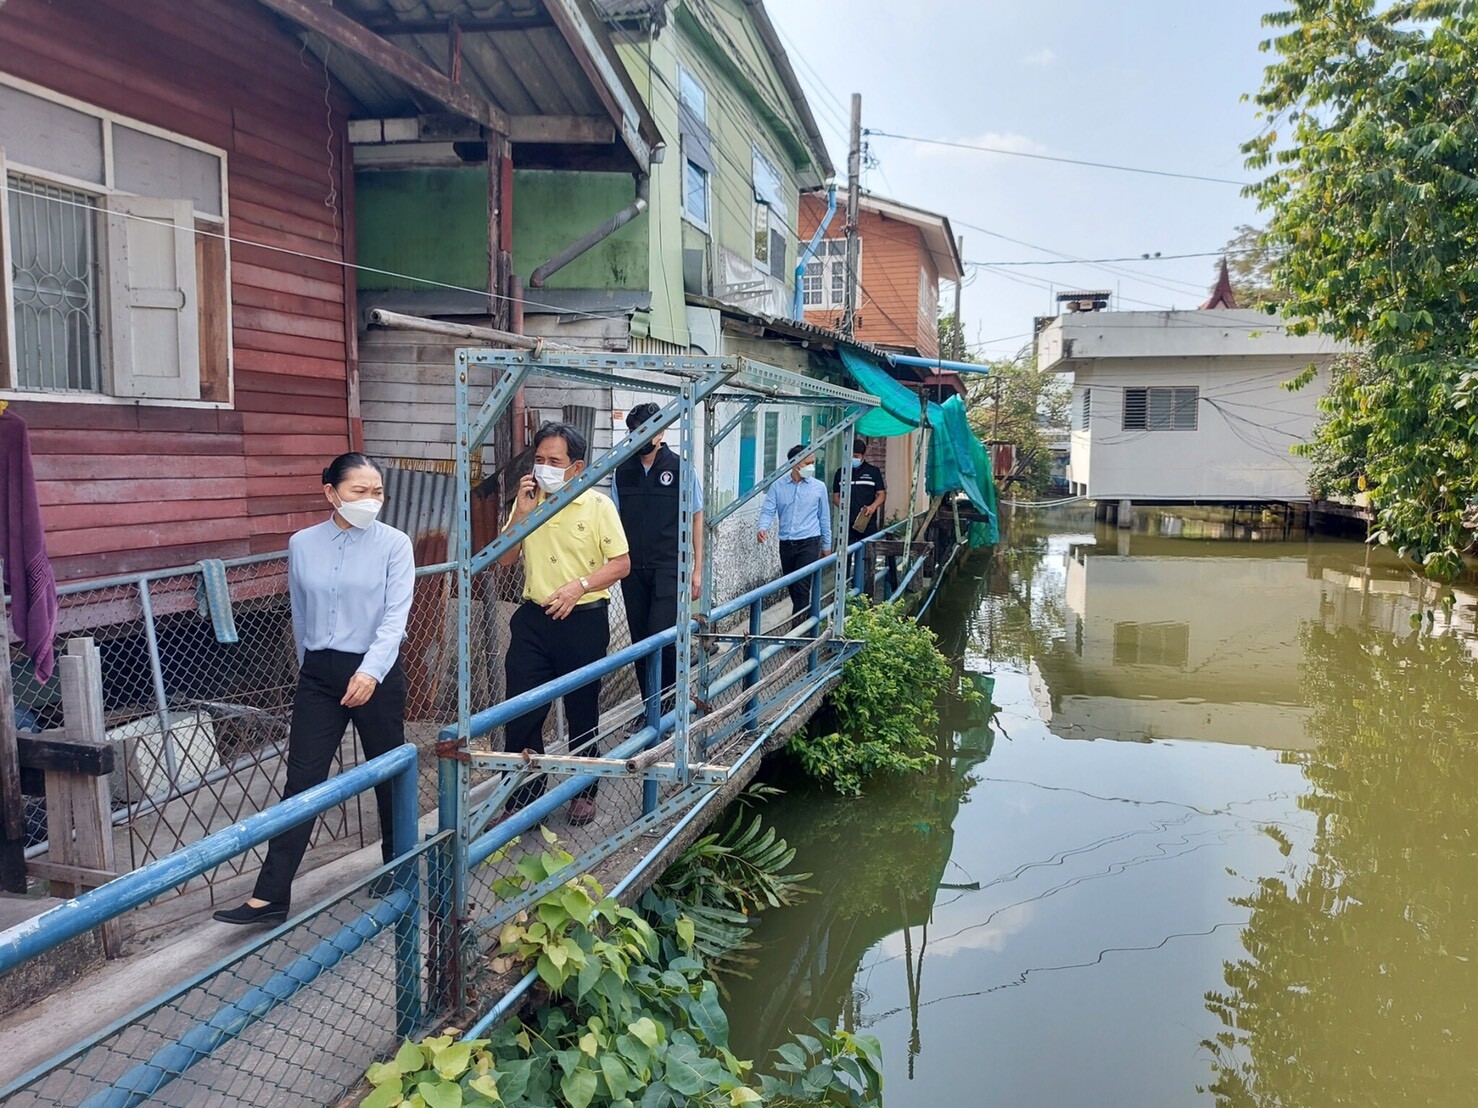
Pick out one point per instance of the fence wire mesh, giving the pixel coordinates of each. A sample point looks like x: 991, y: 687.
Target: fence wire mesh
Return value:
x: 293, y: 1019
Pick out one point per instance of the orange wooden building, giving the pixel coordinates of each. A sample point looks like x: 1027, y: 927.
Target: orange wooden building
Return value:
x: 905, y: 253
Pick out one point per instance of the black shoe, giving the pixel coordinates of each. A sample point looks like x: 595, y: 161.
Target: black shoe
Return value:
x: 245, y: 913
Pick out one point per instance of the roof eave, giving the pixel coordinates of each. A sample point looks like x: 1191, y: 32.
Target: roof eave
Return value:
x: 781, y: 60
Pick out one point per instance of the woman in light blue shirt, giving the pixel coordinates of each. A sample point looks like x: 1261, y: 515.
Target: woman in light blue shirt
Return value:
x: 350, y: 579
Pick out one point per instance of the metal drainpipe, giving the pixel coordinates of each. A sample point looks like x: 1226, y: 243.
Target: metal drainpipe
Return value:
x: 597, y: 236
x: 798, y: 306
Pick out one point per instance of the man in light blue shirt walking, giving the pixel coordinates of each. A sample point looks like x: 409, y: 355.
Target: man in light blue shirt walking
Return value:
x: 804, y: 512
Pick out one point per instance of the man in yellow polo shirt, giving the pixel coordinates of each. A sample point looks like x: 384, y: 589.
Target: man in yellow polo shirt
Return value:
x: 570, y: 564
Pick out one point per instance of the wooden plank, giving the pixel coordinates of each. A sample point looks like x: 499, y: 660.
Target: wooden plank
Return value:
x: 141, y: 536
x: 270, y: 298
x: 274, y: 465
x: 298, y: 372
x: 283, y: 263
x: 274, y: 423
x: 87, y: 566
x: 292, y: 344
x: 289, y: 324
x: 321, y: 447
x: 139, y: 444
x: 282, y: 381
x: 321, y: 230
x: 140, y: 512
x: 121, y: 467
x: 279, y: 282
x: 53, y: 494
x: 593, y: 129
x: 79, y: 876
x: 287, y: 505
x: 385, y: 55
x: 12, y: 807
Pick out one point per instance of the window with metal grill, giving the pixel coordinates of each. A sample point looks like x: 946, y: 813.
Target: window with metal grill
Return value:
x: 1163, y: 408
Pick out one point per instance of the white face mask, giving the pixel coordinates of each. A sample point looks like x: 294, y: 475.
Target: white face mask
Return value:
x: 551, y: 478
x: 360, y: 513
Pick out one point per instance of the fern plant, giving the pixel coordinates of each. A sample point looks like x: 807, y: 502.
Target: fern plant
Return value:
x: 722, y: 880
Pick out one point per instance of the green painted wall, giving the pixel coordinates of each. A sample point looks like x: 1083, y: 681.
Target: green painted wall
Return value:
x: 551, y: 210
x: 428, y: 223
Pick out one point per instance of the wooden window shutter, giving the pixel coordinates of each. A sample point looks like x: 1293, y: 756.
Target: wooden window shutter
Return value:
x: 153, y: 311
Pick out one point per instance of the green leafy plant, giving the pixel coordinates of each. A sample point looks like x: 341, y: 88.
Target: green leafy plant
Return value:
x: 886, y: 705
x: 808, y: 1067
x: 721, y: 881
x: 1367, y: 149
x: 635, y: 1020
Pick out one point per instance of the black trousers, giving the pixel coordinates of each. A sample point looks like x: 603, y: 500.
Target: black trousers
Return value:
x: 795, y: 553
x: 853, y: 538
x: 317, y: 729
x: 539, y: 650
x: 650, y: 595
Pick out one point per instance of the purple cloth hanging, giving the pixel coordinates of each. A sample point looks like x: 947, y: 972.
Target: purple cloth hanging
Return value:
x: 28, y: 575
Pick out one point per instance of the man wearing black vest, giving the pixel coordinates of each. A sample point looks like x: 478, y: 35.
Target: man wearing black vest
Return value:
x: 868, y: 494
x: 646, y: 490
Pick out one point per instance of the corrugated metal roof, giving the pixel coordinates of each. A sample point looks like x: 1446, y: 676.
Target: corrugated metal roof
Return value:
x: 516, y: 55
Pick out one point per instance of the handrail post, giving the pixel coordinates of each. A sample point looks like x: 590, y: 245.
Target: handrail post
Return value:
x: 653, y: 719
x: 816, y: 580
x: 752, y: 654
x: 405, y: 813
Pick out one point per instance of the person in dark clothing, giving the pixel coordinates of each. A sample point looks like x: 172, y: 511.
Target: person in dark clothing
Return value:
x: 869, y: 491
x: 350, y: 581
x: 646, y: 490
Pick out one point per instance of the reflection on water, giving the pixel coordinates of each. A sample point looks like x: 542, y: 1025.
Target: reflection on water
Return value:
x: 1268, y: 896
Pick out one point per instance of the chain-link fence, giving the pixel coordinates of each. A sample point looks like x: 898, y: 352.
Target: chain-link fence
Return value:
x: 294, y: 1018
x: 199, y: 725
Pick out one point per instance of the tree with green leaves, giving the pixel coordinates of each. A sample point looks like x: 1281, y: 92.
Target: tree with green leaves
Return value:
x: 1371, y: 148
x: 1251, y: 263
x: 1021, y: 404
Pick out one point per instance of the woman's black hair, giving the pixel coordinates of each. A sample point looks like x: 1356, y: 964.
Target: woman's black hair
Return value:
x: 335, y: 472
x: 574, y: 441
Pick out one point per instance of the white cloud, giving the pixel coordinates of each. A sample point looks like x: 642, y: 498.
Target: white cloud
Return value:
x: 1044, y: 56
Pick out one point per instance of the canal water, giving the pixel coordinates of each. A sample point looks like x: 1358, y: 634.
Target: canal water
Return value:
x: 1210, y: 840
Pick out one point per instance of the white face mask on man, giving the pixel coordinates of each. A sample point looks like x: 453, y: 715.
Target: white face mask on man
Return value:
x: 551, y: 478
x: 360, y: 513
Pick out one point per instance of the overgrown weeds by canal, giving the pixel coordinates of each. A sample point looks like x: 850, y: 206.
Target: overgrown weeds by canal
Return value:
x: 633, y: 1013
x: 633, y: 1016
x: 882, y: 717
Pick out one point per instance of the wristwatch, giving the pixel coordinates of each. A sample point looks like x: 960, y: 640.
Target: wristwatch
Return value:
x: 585, y: 584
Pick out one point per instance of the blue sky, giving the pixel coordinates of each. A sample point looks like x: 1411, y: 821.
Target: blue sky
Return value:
x: 1149, y: 83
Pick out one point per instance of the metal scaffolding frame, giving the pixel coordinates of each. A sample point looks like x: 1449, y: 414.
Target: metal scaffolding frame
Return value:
x: 692, y: 387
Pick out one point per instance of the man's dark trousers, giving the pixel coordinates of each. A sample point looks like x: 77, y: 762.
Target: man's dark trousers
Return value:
x: 853, y: 538
x: 318, y: 725
x: 540, y: 649
x: 650, y: 596
x: 795, y: 553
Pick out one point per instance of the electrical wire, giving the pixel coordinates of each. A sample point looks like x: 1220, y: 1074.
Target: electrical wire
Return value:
x: 1055, y: 158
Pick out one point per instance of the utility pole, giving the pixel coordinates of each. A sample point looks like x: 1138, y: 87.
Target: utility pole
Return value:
x: 957, y: 347
x: 854, y: 200
x: 995, y: 410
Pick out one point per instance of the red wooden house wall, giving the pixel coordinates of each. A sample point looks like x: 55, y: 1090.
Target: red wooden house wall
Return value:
x: 128, y: 487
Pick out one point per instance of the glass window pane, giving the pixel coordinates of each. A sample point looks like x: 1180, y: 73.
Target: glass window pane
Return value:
x: 46, y: 136
x: 692, y: 94
x: 53, y: 256
x: 1159, y: 409
x: 695, y: 197
x: 147, y: 165
x: 761, y: 234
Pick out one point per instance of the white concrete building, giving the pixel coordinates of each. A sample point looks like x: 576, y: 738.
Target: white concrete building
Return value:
x: 1185, y: 406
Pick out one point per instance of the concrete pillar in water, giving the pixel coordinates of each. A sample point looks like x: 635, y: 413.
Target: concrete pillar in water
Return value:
x: 1126, y: 513
x: 1100, y: 511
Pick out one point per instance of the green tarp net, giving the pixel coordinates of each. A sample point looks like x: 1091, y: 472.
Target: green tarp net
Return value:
x: 898, y: 410
x: 959, y: 463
